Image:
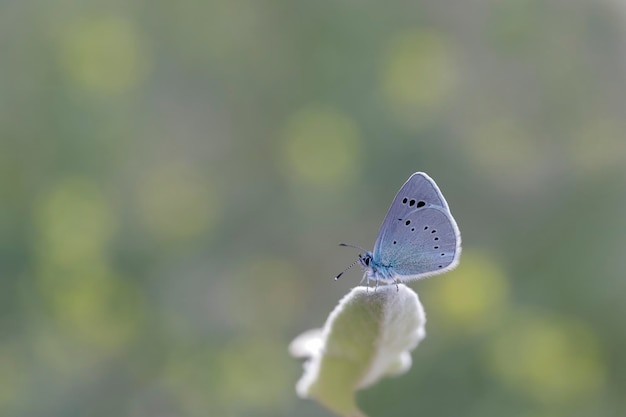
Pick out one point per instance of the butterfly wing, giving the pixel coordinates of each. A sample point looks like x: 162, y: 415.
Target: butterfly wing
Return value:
x: 419, y: 236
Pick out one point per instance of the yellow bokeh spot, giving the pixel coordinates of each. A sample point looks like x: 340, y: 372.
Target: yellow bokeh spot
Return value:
x: 321, y: 148
x: 551, y: 359
x: 598, y: 145
x: 64, y: 355
x: 103, y: 55
x: 175, y: 203
x: 13, y: 374
x: 90, y: 303
x: 75, y: 222
x: 264, y: 284
x: 473, y: 295
x: 419, y: 73
x: 505, y: 152
x: 185, y: 374
x: 101, y: 311
x: 240, y: 377
x: 254, y: 375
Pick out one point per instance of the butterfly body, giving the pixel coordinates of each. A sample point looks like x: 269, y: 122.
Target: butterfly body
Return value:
x: 375, y: 269
x: 418, y: 237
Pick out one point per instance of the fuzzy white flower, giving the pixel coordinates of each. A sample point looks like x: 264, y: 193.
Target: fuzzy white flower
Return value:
x: 367, y: 336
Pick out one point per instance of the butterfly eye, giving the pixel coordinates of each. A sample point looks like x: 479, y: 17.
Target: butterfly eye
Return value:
x: 367, y: 261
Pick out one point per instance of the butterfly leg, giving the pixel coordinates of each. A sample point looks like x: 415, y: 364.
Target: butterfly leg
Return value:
x: 362, y: 279
x: 365, y: 277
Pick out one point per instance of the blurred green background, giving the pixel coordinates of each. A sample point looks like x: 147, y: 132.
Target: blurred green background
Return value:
x: 175, y: 176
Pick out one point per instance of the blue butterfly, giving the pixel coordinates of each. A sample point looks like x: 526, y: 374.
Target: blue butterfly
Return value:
x: 417, y: 239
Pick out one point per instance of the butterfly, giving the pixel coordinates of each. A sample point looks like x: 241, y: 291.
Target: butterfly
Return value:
x: 418, y: 238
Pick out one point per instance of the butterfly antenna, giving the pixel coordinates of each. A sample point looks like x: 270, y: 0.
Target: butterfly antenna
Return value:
x: 352, y: 246
x: 342, y: 272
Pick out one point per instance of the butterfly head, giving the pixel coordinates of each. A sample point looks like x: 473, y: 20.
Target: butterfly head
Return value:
x: 373, y: 269
x: 366, y: 260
